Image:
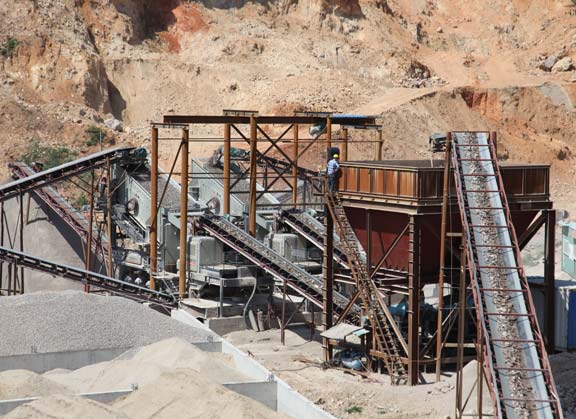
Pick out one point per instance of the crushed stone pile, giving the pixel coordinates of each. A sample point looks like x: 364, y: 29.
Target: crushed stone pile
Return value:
x: 71, y: 321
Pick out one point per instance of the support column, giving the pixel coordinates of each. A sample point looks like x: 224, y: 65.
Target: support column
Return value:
x: 460, y: 350
x: 369, y: 242
x: 329, y: 134
x: 379, y: 144
x: 414, y: 301
x: 226, y: 179
x: 253, y: 177
x: 109, y: 231
x: 154, y: 209
x: 295, y: 167
x: 327, y: 281
x: 21, y: 289
x: 344, y: 156
x: 1, y: 244
x: 183, y: 215
x: 549, y: 273
x: 90, y: 227
x: 441, y: 273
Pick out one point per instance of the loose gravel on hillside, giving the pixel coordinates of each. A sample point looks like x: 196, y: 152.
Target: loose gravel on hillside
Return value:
x: 71, y: 321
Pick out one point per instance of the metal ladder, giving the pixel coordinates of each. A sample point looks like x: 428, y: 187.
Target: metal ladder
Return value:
x: 517, y: 366
x: 375, y: 308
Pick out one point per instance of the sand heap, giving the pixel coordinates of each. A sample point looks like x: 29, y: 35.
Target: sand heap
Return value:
x: 174, y: 378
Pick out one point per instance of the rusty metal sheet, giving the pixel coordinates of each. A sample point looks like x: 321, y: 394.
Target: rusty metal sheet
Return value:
x: 407, y: 182
x: 378, y: 181
x: 364, y: 180
x: 513, y: 180
x: 536, y: 181
x: 391, y: 182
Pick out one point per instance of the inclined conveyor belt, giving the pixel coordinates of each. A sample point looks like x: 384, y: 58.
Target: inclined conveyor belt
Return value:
x: 279, y: 267
x: 64, y: 171
x: 519, y: 373
x: 115, y: 286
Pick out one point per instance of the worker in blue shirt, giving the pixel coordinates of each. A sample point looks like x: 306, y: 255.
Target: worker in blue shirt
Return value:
x: 333, y: 173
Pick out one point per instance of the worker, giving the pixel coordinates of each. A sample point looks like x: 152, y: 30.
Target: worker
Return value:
x: 333, y: 173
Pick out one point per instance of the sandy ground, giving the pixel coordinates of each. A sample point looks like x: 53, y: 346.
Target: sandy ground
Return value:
x: 338, y: 391
x: 352, y: 396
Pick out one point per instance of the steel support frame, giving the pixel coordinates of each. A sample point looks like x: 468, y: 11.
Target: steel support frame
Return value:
x: 328, y: 282
x: 414, y: 289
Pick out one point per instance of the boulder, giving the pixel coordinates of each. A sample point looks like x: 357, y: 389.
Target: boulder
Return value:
x: 113, y: 124
x: 549, y: 62
x: 565, y: 64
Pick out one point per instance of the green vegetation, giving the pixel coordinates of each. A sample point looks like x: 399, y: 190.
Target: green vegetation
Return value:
x: 95, y: 136
x: 354, y: 409
x: 9, y: 46
x: 80, y: 201
x: 50, y: 156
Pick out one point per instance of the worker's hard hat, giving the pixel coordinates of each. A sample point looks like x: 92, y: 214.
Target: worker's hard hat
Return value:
x: 335, y: 156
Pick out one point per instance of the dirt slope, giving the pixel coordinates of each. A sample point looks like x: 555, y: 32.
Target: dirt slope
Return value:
x: 424, y: 66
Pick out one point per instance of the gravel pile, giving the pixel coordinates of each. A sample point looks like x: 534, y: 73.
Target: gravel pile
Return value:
x: 71, y: 320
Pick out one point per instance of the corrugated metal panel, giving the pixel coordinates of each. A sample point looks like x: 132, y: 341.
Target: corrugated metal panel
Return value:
x: 407, y: 183
x: 536, y: 181
x: 513, y: 181
x: 569, y: 249
x: 364, y: 180
x: 565, y: 314
x: 378, y: 181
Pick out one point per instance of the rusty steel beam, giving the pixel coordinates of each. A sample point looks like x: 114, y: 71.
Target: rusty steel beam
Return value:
x: 295, y: 166
x: 441, y: 273
x: 226, y: 178
x: 183, y: 215
x: 344, y: 150
x: 549, y: 278
x: 90, y: 227
x: 154, y: 209
x: 253, y: 180
x: 414, y: 301
x: 272, y: 120
x: 328, y: 281
x: 109, y: 262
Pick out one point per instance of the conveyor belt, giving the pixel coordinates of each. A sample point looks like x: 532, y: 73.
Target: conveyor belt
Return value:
x: 516, y: 362
x: 64, y: 210
x: 64, y: 171
x: 297, y: 278
x: 115, y: 286
x: 311, y: 229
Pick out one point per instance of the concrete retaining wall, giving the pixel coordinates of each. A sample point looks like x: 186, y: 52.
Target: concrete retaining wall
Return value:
x: 71, y: 360
x: 289, y: 401
x: 264, y: 392
x: 103, y: 397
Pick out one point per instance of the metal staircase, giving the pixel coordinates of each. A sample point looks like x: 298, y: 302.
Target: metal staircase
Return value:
x: 516, y: 363
x: 386, y: 334
x: 305, y: 284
